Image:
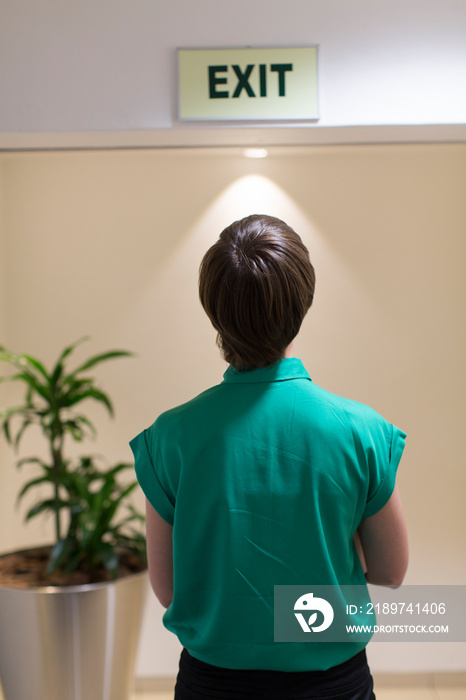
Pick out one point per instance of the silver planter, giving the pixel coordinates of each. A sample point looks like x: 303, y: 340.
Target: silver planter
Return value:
x: 71, y: 643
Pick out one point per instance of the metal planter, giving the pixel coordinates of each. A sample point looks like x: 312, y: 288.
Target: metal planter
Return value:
x: 71, y: 643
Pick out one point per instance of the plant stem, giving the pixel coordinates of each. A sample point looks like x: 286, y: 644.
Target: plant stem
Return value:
x: 57, y: 464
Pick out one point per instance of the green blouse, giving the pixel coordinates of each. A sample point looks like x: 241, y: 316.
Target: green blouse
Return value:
x: 265, y: 479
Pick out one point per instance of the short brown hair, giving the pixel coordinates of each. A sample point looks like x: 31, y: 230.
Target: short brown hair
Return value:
x: 256, y: 284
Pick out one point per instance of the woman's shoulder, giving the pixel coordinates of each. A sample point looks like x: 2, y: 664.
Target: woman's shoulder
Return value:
x: 187, y: 411
x: 354, y: 413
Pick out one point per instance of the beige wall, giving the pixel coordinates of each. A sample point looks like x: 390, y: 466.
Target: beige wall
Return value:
x: 2, y: 252
x: 107, y: 244
x: 6, y: 478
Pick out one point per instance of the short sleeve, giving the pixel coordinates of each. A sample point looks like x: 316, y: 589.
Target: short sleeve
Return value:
x: 148, y: 479
x: 384, y: 458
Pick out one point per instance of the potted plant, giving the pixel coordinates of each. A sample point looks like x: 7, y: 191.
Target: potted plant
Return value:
x: 71, y: 611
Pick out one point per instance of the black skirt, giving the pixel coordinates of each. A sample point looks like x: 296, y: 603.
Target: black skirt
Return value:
x: 197, y: 680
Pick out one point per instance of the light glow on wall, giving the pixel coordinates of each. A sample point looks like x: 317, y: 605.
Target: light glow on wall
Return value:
x: 251, y: 194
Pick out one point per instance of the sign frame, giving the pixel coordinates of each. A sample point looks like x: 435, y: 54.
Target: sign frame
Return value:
x: 244, y: 112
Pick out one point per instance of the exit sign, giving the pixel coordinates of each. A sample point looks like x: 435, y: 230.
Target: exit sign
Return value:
x: 248, y: 84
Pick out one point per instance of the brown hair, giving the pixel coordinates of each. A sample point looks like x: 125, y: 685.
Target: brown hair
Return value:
x: 256, y: 284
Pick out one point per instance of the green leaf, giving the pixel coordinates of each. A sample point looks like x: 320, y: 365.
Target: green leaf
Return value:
x: 100, y: 507
x: 72, y: 388
x: 87, y: 423
x: 60, y: 553
x: 92, y: 394
x: 107, y: 515
x: 129, y: 519
x: 74, y: 562
x: 37, y: 365
x: 6, y: 417
x: 87, y: 522
x: 124, y: 494
x: 26, y: 423
x: 7, y: 356
x: 49, y: 504
x: 87, y: 465
x: 67, y: 351
x: 119, y: 467
x: 56, y: 374
x: 11, y: 378
x: 57, y: 371
x: 55, y: 556
x: 27, y: 365
x: 33, y: 482
x: 35, y: 385
x: 75, y: 430
x: 16, y: 410
x: 106, y: 553
x: 76, y: 485
x: 32, y: 460
x: 96, y: 359
x: 6, y: 430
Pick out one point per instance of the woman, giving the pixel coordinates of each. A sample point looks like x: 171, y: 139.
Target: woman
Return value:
x: 265, y: 480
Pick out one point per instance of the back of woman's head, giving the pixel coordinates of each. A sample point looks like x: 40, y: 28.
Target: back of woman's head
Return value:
x: 256, y: 284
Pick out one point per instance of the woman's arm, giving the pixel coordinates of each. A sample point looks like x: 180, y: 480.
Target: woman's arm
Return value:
x: 159, y: 555
x: 385, y: 544
x: 359, y: 550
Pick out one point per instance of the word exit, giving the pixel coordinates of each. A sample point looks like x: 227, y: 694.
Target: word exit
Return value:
x: 217, y: 78
x: 248, y: 84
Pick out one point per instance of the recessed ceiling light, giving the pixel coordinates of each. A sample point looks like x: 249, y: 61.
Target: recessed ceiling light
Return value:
x: 255, y: 153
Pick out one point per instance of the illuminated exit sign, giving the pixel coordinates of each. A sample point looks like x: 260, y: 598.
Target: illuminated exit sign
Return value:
x: 260, y: 84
